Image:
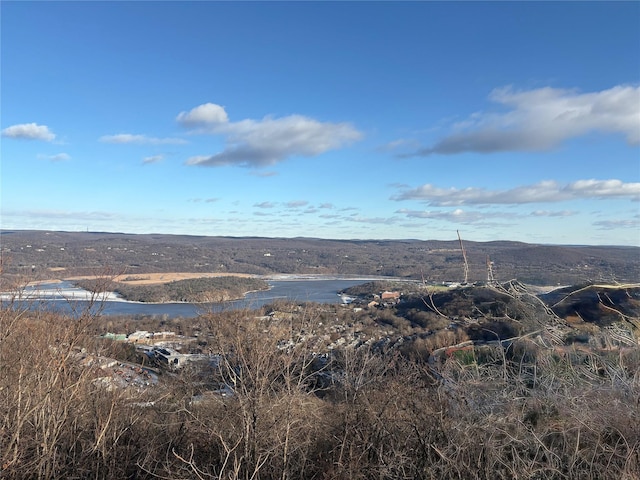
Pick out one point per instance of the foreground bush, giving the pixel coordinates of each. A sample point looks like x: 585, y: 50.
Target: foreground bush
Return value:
x: 524, y: 412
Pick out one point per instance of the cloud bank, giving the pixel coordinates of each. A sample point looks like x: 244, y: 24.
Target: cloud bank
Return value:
x: 29, y: 131
x: 541, y: 119
x: 545, y: 191
x: 259, y: 143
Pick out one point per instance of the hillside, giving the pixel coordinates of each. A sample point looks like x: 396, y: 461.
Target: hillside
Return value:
x: 476, y: 382
x: 409, y: 380
x: 44, y: 254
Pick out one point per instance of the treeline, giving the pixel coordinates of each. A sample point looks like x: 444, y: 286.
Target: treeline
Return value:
x: 378, y: 286
x: 217, y: 289
x: 290, y: 412
x: 47, y: 254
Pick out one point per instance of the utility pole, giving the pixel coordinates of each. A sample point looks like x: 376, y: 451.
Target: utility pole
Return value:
x: 490, y: 280
x: 464, y: 256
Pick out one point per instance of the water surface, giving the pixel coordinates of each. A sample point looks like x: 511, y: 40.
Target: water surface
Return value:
x: 65, y: 298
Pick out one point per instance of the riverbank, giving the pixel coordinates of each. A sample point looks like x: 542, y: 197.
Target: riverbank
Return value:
x: 58, y: 290
x: 65, y: 298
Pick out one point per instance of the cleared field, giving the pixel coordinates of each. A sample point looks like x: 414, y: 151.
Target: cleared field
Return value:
x: 159, y: 278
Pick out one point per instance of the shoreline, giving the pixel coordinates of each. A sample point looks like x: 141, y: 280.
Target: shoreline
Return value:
x: 32, y: 293
x: 81, y: 295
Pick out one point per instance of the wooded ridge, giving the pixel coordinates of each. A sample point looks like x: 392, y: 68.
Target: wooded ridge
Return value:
x: 64, y: 254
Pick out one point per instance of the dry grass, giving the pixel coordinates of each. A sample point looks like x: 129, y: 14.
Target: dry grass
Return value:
x: 526, y: 411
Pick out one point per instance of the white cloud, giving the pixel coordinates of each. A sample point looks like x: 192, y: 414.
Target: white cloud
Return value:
x: 203, y: 115
x: 545, y: 191
x: 141, y: 139
x: 604, y: 188
x: 152, y: 159
x: 542, y: 119
x: 258, y: 143
x: 29, y: 131
x: 60, y: 157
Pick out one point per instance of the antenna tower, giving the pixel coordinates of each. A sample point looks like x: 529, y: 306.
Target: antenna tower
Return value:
x: 464, y: 256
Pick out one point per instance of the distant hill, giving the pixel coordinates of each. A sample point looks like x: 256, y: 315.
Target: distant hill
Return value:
x: 45, y: 254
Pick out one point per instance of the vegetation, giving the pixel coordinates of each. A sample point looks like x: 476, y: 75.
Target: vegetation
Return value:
x: 328, y: 392
x: 67, y: 254
x: 378, y: 286
x: 217, y: 289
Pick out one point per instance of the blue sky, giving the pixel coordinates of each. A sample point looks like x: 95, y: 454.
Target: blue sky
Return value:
x: 516, y: 121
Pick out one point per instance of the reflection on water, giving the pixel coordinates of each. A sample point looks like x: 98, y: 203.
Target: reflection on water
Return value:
x: 65, y: 298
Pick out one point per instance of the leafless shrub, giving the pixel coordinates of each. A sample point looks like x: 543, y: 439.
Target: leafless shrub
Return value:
x: 272, y: 406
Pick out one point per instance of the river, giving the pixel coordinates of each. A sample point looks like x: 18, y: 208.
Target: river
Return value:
x: 64, y: 297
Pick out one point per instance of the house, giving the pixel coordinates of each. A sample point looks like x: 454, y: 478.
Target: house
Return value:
x: 163, y: 335
x: 139, y: 335
x: 174, y: 359
x: 168, y: 356
x: 390, y: 296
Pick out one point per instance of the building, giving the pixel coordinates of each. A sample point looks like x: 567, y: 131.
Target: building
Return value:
x: 390, y: 296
